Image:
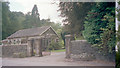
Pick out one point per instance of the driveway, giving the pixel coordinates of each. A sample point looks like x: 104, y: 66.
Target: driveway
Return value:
x: 55, y: 59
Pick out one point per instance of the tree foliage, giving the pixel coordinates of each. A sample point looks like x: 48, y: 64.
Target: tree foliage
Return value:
x: 118, y: 52
x: 55, y: 46
x: 118, y: 39
x: 5, y: 20
x: 11, y: 21
x: 100, y: 27
x: 74, y: 13
x: 32, y: 18
x: 0, y: 21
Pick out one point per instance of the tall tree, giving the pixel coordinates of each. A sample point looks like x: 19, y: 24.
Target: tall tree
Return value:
x: 5, y: 20
x: 32, y: 18
x: 35, y: 16
x: 10, y: 20
x: 74, y: 13
x: 0, y: 20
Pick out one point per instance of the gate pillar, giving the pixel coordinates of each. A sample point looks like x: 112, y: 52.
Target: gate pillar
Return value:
x: 38, y: 47
x: 29, y: 48
x: 68, y: 39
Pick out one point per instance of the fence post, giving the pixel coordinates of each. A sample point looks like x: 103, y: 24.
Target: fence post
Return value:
x: 68, y: 39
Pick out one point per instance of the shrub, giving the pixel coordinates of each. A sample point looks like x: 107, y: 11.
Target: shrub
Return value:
x: 55, y: 46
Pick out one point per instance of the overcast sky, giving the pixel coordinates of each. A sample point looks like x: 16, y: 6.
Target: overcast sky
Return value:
x: 45, y: 7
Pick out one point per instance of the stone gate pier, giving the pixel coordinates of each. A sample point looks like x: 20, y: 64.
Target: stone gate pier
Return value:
x: 78, y: 49
x: 37, y: 47
x: 68, y: 39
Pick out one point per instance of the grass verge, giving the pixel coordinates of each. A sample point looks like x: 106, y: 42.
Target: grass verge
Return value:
x: 61, y: 50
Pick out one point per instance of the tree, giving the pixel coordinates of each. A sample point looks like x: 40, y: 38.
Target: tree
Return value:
x: 35, y: 16
x: 16, y: 19
x: 32, y: 18
x: 74, y: 13
x: 0, y: 21
x: 118, y: 40
x: 10, y: 20
x: 100, y: 27
x: 118, y: 52
x: 5, y: 20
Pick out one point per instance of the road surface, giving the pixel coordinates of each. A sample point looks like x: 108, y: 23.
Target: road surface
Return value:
x: 55, y: 59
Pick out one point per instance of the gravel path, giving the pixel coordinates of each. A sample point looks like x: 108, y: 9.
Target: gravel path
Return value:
x: 55, y: 59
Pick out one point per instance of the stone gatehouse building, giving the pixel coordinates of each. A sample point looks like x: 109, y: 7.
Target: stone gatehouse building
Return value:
x: 21, y: 37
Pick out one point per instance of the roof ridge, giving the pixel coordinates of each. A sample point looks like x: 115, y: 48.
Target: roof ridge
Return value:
x: 33, y: 28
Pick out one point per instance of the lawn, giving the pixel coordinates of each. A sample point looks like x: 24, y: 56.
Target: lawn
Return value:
x: 62, y: 50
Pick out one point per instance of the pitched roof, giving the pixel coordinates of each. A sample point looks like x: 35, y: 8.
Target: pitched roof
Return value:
x: 30, y: 32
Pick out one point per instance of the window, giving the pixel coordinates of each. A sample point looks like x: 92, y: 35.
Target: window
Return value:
x: 14, y: 42
x: 9, y: 42
x: 18, y: 41
x: 23, y: 41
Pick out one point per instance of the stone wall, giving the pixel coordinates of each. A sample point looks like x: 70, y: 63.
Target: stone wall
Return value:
x: 81, y: 50
x: 14, y: 51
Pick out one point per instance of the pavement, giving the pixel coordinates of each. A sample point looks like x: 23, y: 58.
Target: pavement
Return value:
x: 55, y: 59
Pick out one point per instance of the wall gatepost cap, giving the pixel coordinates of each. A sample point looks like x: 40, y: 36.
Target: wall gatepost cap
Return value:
x: 37, y: 38
x: 68, y: 35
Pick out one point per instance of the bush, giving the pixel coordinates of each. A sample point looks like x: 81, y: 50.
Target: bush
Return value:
x: 55, y: 46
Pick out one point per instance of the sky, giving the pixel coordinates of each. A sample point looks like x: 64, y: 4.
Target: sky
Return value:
x: 45, y: 7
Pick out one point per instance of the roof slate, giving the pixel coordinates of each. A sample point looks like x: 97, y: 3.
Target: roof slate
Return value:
x: 29, y: 32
